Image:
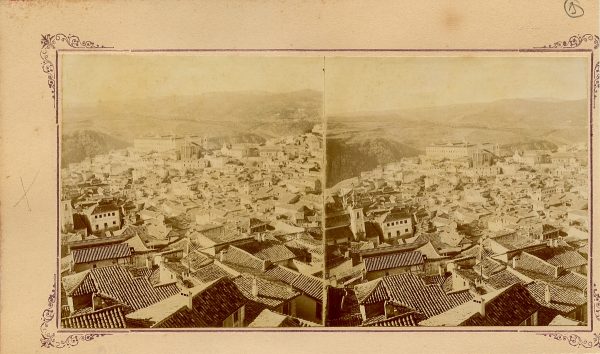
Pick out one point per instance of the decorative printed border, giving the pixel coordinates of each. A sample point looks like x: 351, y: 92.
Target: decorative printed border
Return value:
x: 49, y: 43
x: 576, y: 340
x: 49, y: 339
x: 574, y: 42
x: 596, y: 82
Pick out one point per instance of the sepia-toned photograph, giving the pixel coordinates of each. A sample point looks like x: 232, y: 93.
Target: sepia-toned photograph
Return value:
x: 299, y: 177
x: 191, y: 191
x: 457, y: 191
x: 267, y: 191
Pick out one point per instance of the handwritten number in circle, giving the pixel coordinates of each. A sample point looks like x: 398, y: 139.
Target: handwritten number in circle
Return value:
x: 573, y: 9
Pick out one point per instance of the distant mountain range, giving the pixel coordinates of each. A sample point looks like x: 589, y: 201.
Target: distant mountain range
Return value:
x: 245, y: 116
x: 359, y: 141
x: 211, y: 114
x: 355, y: 142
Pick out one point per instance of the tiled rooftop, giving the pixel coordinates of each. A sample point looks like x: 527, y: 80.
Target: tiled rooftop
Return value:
x: 94, y: 254
x: 110, y: 317
x: 393, y: 260
x: 118, y: 283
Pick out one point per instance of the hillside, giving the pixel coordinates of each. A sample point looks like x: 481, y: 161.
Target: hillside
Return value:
x: 513, y: 124
x: 347, y: 159
x: 81, y: 144
x: 210, y: 114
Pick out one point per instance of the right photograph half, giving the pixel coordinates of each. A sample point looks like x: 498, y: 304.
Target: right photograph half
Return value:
x: 457, y: 190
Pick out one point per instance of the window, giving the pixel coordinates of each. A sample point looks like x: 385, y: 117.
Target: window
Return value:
x: 398, y: 233
x: 97, y: 227
x: 319, y: 311
x: 389, y: 234
x: 114, y: 222
x: 406, y: 230
x: 286, y: 308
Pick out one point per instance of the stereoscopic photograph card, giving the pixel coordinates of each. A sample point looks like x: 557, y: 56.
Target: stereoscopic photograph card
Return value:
x: 284, y: 177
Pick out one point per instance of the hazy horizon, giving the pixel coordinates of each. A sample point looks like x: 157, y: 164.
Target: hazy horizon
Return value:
x: 364, y: 84
x: 90, y: 78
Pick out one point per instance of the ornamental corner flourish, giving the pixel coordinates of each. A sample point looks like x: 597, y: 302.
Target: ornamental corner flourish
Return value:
x: 49, y: 43
x: 49, y: 338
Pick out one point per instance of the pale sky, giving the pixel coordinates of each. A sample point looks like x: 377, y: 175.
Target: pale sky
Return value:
x: 379, y: 84
x: 352, y: 84
x: 87, y: 78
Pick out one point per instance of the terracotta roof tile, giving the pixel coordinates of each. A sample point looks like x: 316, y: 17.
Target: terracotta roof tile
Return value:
x: 282, y: 273
x: 510, y: 308
x: 268, y: 250
x: 210, y: 272
x: 503, y: 279
x: 117, y: 283
x: 270, y: 294
x: 429, y: 300
x: 393, y: 260
x: 505, y: 307
x: 110, y: 317
x: 409, y: 319
x: 100, y: 253
x: 211, y: 305
x: 370, y: 292
x: 561, y: 299
x: 242, y: 258
x: 310, y: 286
x: 534, y: 264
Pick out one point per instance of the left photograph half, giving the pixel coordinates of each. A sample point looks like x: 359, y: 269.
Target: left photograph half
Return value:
x: 190, y: 190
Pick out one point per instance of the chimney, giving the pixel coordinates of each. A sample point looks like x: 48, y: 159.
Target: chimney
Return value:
x: 254, y: 287
x: 187, y: 298
x: 389, y: 309
x: 149, y: 263
x: 441, y: 270
x: 557, y: 271
x: 547, y: 296
x: 96, y: 302
x: 164, y: 275
x: 333, y: 281
x: 479, y: 300
x: 222, y: 256
x: 514, y: 262
x: 265, y: 265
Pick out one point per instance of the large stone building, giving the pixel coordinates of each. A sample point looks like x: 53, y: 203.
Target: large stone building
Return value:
x: 480, y: 153
x: 158, y: 143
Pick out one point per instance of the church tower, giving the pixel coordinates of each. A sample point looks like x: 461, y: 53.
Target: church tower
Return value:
x: 357, y: 221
